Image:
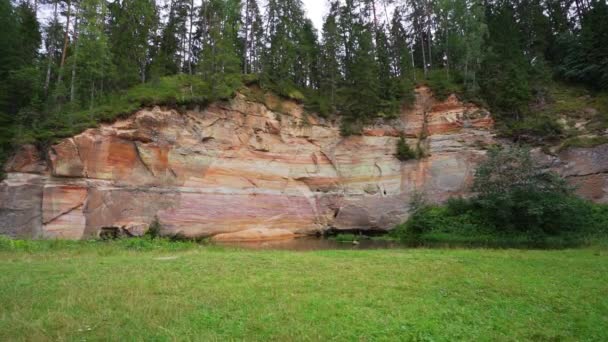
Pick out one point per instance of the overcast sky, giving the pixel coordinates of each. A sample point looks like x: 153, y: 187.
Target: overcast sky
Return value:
x: 316, y: 10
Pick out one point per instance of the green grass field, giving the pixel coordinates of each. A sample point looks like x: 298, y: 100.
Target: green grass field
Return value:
x: 130, y: 291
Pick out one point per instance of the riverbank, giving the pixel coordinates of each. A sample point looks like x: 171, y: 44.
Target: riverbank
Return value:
x: 133, y: 290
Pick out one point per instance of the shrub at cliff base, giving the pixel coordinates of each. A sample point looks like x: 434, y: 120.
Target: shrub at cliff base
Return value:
x: 515, y: 201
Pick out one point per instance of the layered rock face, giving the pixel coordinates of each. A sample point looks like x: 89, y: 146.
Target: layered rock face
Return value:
x: 240, y: 169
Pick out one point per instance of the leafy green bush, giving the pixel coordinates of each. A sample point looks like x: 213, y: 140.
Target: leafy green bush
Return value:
x: 543, y: 126
x: 516, y: 194
x: 434, y: 219
x: 65, y: 121
x: 404, y: 152
x: 442, y: 85
x: 350, y: 127
x: 516, y: 199
x: 154, y: 230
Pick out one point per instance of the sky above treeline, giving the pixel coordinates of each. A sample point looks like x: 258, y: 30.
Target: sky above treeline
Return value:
x: 315, y: 10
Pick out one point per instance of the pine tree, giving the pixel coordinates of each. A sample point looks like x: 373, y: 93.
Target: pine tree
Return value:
x: 219, y: 60
x: 285, y: 20
x: 53, y: 39
x: 361, y: 91
x: 307, y: 62
x: 132, y: 27
x: 166, y: 59
x: 94, y: 58
x: 330, y: 68
x: 505, y: 79
x: 585, y: 54
x: 401, y: 54
x: 253, y: 34
x: 8, y: 52
x: 388, y: 85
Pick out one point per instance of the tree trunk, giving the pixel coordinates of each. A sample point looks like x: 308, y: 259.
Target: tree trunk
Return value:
x: 142, y: 71
x: 92, y: 95
x: 413, y: 63
x: 73, y: 80
x: 375, y: 17
x: 66, y: 37
x: 47, y: 81
x: 447, y: 50
x: 190, y: 38
x: 423, y: 54
x: 246, y: 36
x: 428, y: 34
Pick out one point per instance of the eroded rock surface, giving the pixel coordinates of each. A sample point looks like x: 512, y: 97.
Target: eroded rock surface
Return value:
x: 238, y: 170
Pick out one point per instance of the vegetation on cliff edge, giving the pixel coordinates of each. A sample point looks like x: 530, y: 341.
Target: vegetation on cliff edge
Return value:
x: 73, y: 69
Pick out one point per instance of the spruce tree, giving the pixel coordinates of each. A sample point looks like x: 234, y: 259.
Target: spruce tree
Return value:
x: 132, y: 27
x: 219, y: 60
x: 285, y: 20
x: 330, y: 68
x: 9, y: 59
x: 94, y: 59
x: 252, y: 32
x: 362, y: 90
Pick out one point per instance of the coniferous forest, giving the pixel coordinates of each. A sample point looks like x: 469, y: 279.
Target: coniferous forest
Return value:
x: 67, y: 64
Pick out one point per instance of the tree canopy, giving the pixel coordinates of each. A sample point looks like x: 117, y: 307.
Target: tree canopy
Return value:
x: 361, y: 64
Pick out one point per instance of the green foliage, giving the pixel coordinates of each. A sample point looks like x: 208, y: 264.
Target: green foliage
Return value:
x: 443, y: 85
x: 345, y: 238
x: 514, y: 198
x: 536, y: 126
x: 219, y: 60
x: 584, y: 142
x: 104, y: 247
x: 175, y: 90
x: 404, y: 152
x: 154, y: 231
x: 105, y: 292
x: 517, y: 195
x: 350, y: 127
x: 440, y: 220
x: 132, y: 25
x: 584, y: 53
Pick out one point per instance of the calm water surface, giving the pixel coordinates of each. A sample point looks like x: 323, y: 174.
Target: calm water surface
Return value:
x: 314, y: 244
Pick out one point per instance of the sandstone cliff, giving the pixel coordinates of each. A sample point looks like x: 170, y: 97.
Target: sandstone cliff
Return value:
x: 240, y: 167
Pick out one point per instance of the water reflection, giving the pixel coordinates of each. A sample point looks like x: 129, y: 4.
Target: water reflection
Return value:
x: 314, y: 244
x: 366, y: 243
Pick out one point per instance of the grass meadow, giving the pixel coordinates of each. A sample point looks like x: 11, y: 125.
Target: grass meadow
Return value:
x: 164, y: 291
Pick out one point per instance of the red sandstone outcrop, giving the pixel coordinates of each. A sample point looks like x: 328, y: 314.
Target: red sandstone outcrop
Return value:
x: 240, y: 171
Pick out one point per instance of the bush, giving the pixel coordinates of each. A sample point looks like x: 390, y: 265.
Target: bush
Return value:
x: 404, y: 152
x: 516, y: 200
x: 436, y: 219
x: 516, y: 194
x: 64, y: 121
x: 548, y: 213
x: 535, y: 125
x: 350, y: 127
x: 154, y: 230
x: 441, y: 85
